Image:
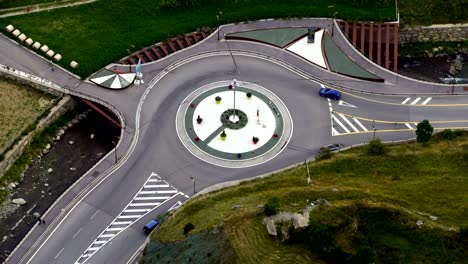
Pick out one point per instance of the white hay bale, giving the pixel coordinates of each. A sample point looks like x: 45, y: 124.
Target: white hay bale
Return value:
x: 74, y: 64
x: 29, y: 41
x: 50, y: 53
x: 57, y: 57
x: 10, y: 28
x: 16, y: 33
x: 22, y: 37
x: 44, y: 48
x: 36, y: 45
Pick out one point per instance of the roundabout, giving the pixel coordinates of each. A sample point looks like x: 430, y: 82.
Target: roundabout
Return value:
x: 233, y: 124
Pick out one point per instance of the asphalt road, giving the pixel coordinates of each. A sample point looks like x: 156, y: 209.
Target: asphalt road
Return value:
x: 158, y: 148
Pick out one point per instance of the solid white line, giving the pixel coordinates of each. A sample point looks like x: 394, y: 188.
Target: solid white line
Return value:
x: 122, y: 223
x: 129, y: 216
x: 144, y: 204
x: 406, y: 100
x: 349, y: 123
x: 339, y: 123
x: 60, y: 252
x: 408, y: 125
x: 100, y: 242
x: 359, y: 123
x: 152, y: 198
x: 154, y: 180
x: 106, y: 235
x: 79, y: 230
x: 416, y: 100
x: 153, y: 192
x: 156, y: 186
x: 114, y: 229
x: 136, y: 210
x: 426, y: 101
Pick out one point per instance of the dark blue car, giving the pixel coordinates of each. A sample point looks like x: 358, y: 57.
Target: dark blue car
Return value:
x: 150, y: 226
x: 330, y: 93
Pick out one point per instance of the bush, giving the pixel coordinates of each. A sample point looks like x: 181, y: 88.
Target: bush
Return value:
x: 447, y: 134
x: 188, y: 227
x: 376, y: 147
x: 424, y: 131
x: 272, y: 206
x: 325, y: 153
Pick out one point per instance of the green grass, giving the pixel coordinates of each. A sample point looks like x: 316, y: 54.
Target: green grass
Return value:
x: 409, y: 182
x: 423, y: 48
x: 427, y: 12
x: 100, y: 33
x: 31, y: 151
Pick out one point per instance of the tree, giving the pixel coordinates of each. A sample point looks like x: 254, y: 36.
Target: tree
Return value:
x: 424, y: 131
x: 272, y: 206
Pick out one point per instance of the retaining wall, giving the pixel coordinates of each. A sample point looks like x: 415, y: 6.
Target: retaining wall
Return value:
x: 434, y: 33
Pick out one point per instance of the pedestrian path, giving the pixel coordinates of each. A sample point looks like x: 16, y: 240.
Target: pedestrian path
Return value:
x: 154, y: 192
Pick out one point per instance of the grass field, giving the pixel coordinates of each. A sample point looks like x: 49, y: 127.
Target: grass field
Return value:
x: 20, y: 107
x: 427, y: 12
x: 100, y: 33
x: 410, y: 182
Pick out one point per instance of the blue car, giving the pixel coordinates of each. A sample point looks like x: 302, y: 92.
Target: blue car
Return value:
x: 330, y: 93
x: 150, y: 226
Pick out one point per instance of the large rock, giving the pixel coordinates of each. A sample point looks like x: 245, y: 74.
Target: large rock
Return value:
x: 19, y: 201
x: 299, y: 221
x: 271, y: 228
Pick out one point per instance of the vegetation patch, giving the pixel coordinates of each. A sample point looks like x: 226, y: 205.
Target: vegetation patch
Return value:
x: 208, y: 246
x: 375, y: 203
x: 427, y: 12
x: 21, y: 108
x: 434, y: 48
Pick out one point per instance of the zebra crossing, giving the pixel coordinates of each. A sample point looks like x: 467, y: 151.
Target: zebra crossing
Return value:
x: 410, y: 101
x: 153, y: 193
x: 342, y: 124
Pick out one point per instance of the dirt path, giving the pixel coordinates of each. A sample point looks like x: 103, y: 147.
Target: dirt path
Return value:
x: 21, y: 10
x: 91, y: 138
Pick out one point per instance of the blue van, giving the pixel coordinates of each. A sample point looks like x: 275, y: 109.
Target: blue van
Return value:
x: 150, y: 226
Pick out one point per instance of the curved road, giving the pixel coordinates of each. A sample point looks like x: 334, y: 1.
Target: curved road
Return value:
x: 152, y: 160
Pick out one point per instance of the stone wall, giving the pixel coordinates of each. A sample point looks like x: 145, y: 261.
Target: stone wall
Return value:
x: 434, y: 33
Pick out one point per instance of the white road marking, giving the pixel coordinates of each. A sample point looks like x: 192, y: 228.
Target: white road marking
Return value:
x: 343, y: 103
x: 360, y: 124
x: 114, y: 229
x: 152, y: 198
x: 175, y: 206
x: 416, y: 100
x: 122, y: 223
x: 156, y: 186
x: 93, y: 249
x: 107, y: 235
x: 154, y: 180
x: 334, y: 132
x: 154, y: 192
x: 339, y: 123
x: 144, y: 204
x: 128, y: 216
x: 349, y: 123
x: 94, y: 215
x: 408, y: 125
x: 136, y: 210
x: 79, y: 230
x: 426, y: 101
x: 100, y: 242
x: 58, y: 254
x: 406, y: 100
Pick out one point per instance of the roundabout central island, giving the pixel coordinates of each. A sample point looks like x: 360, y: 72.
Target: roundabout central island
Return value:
x: 233, y: 124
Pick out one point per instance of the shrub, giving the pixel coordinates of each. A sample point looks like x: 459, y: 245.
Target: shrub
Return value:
x: 424, y: 131
x: 376, y: 147
x: 272, y: 206
x: 188, y: 227
x: 218, y: 98
x: 447, y: 134
x: 325, y: 153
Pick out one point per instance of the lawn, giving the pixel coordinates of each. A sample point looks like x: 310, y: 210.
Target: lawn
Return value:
x: 427, y: 12
x: 20, y: 108
x: 409, y: 182
x: 100, y: 33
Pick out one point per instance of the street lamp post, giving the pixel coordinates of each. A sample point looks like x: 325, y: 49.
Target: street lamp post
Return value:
x: 218, y: 16
x: 193, y: 180
x: 234, y: 87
